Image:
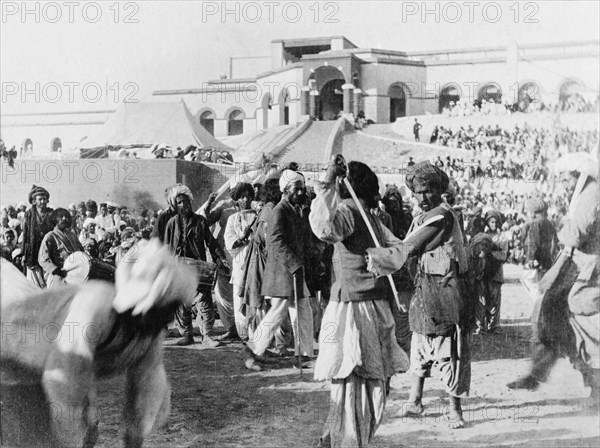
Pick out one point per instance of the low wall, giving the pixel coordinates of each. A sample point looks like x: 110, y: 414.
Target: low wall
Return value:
x: 130, y: 182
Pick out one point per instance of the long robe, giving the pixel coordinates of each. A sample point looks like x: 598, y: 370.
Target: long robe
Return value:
x: 358, y: 351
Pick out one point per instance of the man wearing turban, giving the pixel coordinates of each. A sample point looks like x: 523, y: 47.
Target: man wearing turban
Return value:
x: 570, y: 304
x: 488, y: 315
x: 163, y: 218
x: 187, y: 234
x: 287, y: 241
x: 36, y: 225
x: 441, y: 310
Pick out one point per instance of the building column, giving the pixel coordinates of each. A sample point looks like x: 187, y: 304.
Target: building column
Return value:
x: 304, y: 100
x: 357, y: 101
x: 347, y: 89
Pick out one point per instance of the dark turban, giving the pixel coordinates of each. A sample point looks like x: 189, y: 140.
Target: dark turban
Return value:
x: 35, y: 191
x: 494, y: 214
x: 428, y: 174
x: 536, y: 205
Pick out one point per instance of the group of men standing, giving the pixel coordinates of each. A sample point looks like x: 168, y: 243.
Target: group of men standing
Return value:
x: 446, y: 305
x: 445, y: 266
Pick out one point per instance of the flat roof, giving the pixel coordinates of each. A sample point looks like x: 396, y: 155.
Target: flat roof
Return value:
x: 311, y: 41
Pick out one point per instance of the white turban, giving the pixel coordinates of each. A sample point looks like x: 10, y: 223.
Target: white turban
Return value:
x: 175, y: 191
x: 582, y: 162
x: 289, y: 177
x: 88, y: 221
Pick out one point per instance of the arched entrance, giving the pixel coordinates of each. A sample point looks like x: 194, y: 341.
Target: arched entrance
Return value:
x: 528, y: 93
x: 397, y: 96
x: 266, y: 104
x: 328, y: 81
x: 56, y: 144
x: 332, y: 99
x: 450, y: 93
x: 235, y: 122
x: 207, y: 121
x: 570, y: 92
x: 284, y: 107
x: 27, y: 146
x: 490, y: 91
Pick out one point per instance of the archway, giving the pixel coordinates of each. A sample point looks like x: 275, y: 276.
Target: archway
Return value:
x: 284, y: 107
x: 529, y: 93
x: 56, y: 144
x: 207, y: 121
x: 27, y: 146
x: 490, y: 91
x: 570, y: 91
x: 450, y: 93
x: 332, y: 99
x: 235, y: 122
x: 328, y: 81
x: 397, y: 96
x: 266, y: 105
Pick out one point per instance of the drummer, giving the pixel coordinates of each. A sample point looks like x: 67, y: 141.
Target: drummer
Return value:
x: 188, y: 235
x: 56, y: 246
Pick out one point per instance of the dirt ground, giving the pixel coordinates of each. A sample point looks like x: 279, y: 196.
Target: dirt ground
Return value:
x: 216, y: 402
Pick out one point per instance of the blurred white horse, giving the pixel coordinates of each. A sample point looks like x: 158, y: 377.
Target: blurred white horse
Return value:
x: 83, y: 333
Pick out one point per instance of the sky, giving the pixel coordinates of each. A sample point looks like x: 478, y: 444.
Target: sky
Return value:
x: 84, y: 55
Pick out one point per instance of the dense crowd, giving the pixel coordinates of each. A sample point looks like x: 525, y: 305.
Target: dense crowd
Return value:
x: 523, y: 153
x: 573, y: 103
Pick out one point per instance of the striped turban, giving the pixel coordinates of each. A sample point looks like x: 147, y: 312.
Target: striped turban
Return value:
x: 288, y: 177
x: 175, y: 191
x: 424, y: 173
x: 37, y: 191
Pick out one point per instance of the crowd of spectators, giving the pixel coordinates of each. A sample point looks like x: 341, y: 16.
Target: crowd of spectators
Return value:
x: 521, y: 153
x: 103, y: 231
x: 573, y: 103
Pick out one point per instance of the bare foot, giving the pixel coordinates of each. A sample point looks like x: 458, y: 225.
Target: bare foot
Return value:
x: 455, y: 419
x: 250, y: 360
x: 251, y: 364
x: 409, y: 409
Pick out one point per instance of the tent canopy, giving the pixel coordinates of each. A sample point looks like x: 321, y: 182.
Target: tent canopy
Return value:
x: 146, y: 124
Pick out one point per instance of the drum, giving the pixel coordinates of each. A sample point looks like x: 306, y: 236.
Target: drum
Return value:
x: 80, y: 267
x: 205, y: 271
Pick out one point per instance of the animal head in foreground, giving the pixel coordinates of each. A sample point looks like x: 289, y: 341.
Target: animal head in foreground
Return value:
x: 149, y: 276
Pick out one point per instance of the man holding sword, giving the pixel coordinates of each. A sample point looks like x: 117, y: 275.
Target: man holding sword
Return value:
x: 358, y: 351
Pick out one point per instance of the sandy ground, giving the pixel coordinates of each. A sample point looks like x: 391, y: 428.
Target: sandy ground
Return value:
x: 218, y: 403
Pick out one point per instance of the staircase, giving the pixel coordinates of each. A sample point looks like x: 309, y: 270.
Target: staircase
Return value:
x: 264, y: 141
x: 309, y: 147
